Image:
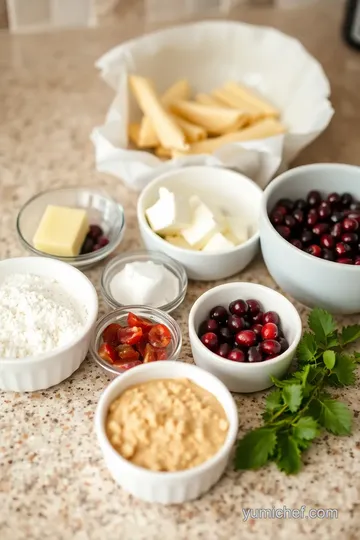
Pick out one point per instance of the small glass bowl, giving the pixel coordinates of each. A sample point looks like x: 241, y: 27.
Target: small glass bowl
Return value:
x: 117, y: 264
x: 100, y: 208
x: 119, y: 316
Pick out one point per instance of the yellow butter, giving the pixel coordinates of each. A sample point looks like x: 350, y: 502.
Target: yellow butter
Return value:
x: 61, y: 231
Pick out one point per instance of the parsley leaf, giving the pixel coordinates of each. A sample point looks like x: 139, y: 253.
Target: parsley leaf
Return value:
x: 289, y: 455
x: 255, y: 449
x: 344, y: 370
x: 273, y: 401
x: 349, y: 334
x: 322, y: 324
x: 306, y: 428
x: 335, y: 417
x: 329, y: 358
x: 307, y: 348
x: 292, y: 395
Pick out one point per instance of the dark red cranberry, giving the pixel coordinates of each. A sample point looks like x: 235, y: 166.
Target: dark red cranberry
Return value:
x: 336, y: 230
x: 209, y: 326
x: 350, y: 238
x: 270, y: 346
x: 210, y: 340
x: 354, y: 215
x: 314, y: 250
x: 235, y: 323
x: 258, y: 318
x: 298, y: 215
x: 350, y: 225
x: 290, y: 222
x: 324, y: 211
x: 282, y: 209
x: 101, y: 242
x: 88, y: 246
x: 257, y: 329
x: 283, y: 231
x: 271, y: 316
x: 328, y: 254
x: 288, y: 203
x: 254, y: 306
x: 95, y: 231
x: 277, y: 218
x: 236, y: 355
x: 345, y: 260
x: 321, y: 228
x: 342, y: 249
x: 223, y: 350
x: 312, y: 218
x: 225, y: 335
x: 327, y: 241
x: 334, y: 198
x: 314, y: 198
x: 336, y: 217
x: 306, y: 236
x: 297, y: 243
x: 346, y: 199
x: 270, y: 331
x: 219, y: 313
x: 301, y: 204
x: 283, y: 344
x: 254, y: 355
x: 246, y: 338
x: 238, y: 307
x: 357, y: 260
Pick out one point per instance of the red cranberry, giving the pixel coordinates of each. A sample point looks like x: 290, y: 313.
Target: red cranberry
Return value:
x: 95, y: 231
x: 327, y: 241
x: 270, y: 346
x: 297, y: 243
x: 258, y: 318
x: 346, y: 199
x: 334, y: 198
x: 277, y: 218
x: 254, y: 306
x: 283, y: 344
x: 342, y: 249
x: 314, y: 250
x: 271, y: 316
x: 350, y: 225
x: 298, y: 215
x: 257, y: 329
x: 101, y: 242
x: 236, y: 355
x: 282, y: 209
x: 283, y: 231
x: 320, y: 228
x: 210, y: 340
x: 246, y: 338
x: 223, y: 350
x: 288, y: 203
x: 336, y: 230
x: 354, y: 215
x: 324, y: 211
x: 314, y: 198
x: 290, y: 222
x: 209, y: 326
x: 235, y: 323
x: 336, y: 217
x: 350, y: 238
x: 312, y: 218
x: 225, y: 335
x: 219, y: 313
x: 301, y: 204
x: 328, y: 254
x: 345, y: 260
x: 254, y: 355
x: 357, y: 260
x: 270, y: 331
x: 306, y: 236
x: 238, y: 307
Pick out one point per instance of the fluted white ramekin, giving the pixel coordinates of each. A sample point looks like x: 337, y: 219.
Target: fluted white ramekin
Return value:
x: 166, y: 487
x: 47, y: 369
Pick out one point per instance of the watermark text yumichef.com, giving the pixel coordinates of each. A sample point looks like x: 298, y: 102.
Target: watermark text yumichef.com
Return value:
x: 290, y: 513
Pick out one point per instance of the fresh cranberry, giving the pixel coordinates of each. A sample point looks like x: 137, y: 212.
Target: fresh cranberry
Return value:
x: 354, y: 215
x: 328, y: 254
x: 236, y: 355
x: 210, y: 340
x: 312, y: 218
x: 277, y: 218
x: 257, y: 329
x: 235, y: 323
x: 334, y: 198
x: 254, y: 355
x: 346, y: 199
x: 288, y: 203
x: 336, y: 230
x: 283, y: 231
x: 283, y: 344
x: 314, y: 250
x: 357, y: 260
x: 327, y: 241
x: 350, y: 225
x: 306, y: 236
x: 350, y: 238
x: 271, y: 316
x: 223, y: 350
x: 324, y: 211
x: 254, y: 306
x: 320, y: 228
x: 95, y: 231
x: 258, y: 318
x: 336, y: 217
x: 270, y: 346
x: 314, y: 198
x: 342, y: 249
x: 238, y: 307
x: 270, y: 331
x: 290, y: 222
x: 298, y: 215
x: 297, y: 243
x: 225, y: 335
x: 344, y: 260
x: 246, y: 338
x: 301, y: 204
x: 219, y: 313
x: 101, y: 242
x: 209, y: 326
x: 282, y: 209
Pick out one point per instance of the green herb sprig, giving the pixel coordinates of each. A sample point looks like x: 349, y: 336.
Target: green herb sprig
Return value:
x: 300, y: 406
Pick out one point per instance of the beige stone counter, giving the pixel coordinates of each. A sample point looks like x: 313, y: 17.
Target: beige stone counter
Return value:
x: 53, y: 482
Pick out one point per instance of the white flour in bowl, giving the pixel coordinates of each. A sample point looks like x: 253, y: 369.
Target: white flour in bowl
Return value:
x: 36, y: 315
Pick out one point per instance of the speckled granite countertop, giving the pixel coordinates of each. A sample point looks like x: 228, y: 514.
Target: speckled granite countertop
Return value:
x: 53, y: 482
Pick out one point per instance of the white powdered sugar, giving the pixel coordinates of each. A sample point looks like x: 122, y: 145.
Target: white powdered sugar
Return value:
x: 36, y: 315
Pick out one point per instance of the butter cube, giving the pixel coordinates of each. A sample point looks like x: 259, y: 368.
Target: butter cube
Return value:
x: 61, y: 231
x: 169, y: 214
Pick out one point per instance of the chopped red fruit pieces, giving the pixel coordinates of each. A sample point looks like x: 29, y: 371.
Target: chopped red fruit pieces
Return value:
x: 159, y: 336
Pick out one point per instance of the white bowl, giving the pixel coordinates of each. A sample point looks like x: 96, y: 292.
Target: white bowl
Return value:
x: 244, y: 377
x: 166, y: 487
x: 233, y: 191
x: 310, y: 280
x: 47, y: 369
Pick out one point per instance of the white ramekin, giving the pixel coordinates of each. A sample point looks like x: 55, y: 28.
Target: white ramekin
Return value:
x: 166, y: 487
x: 50, y: 368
